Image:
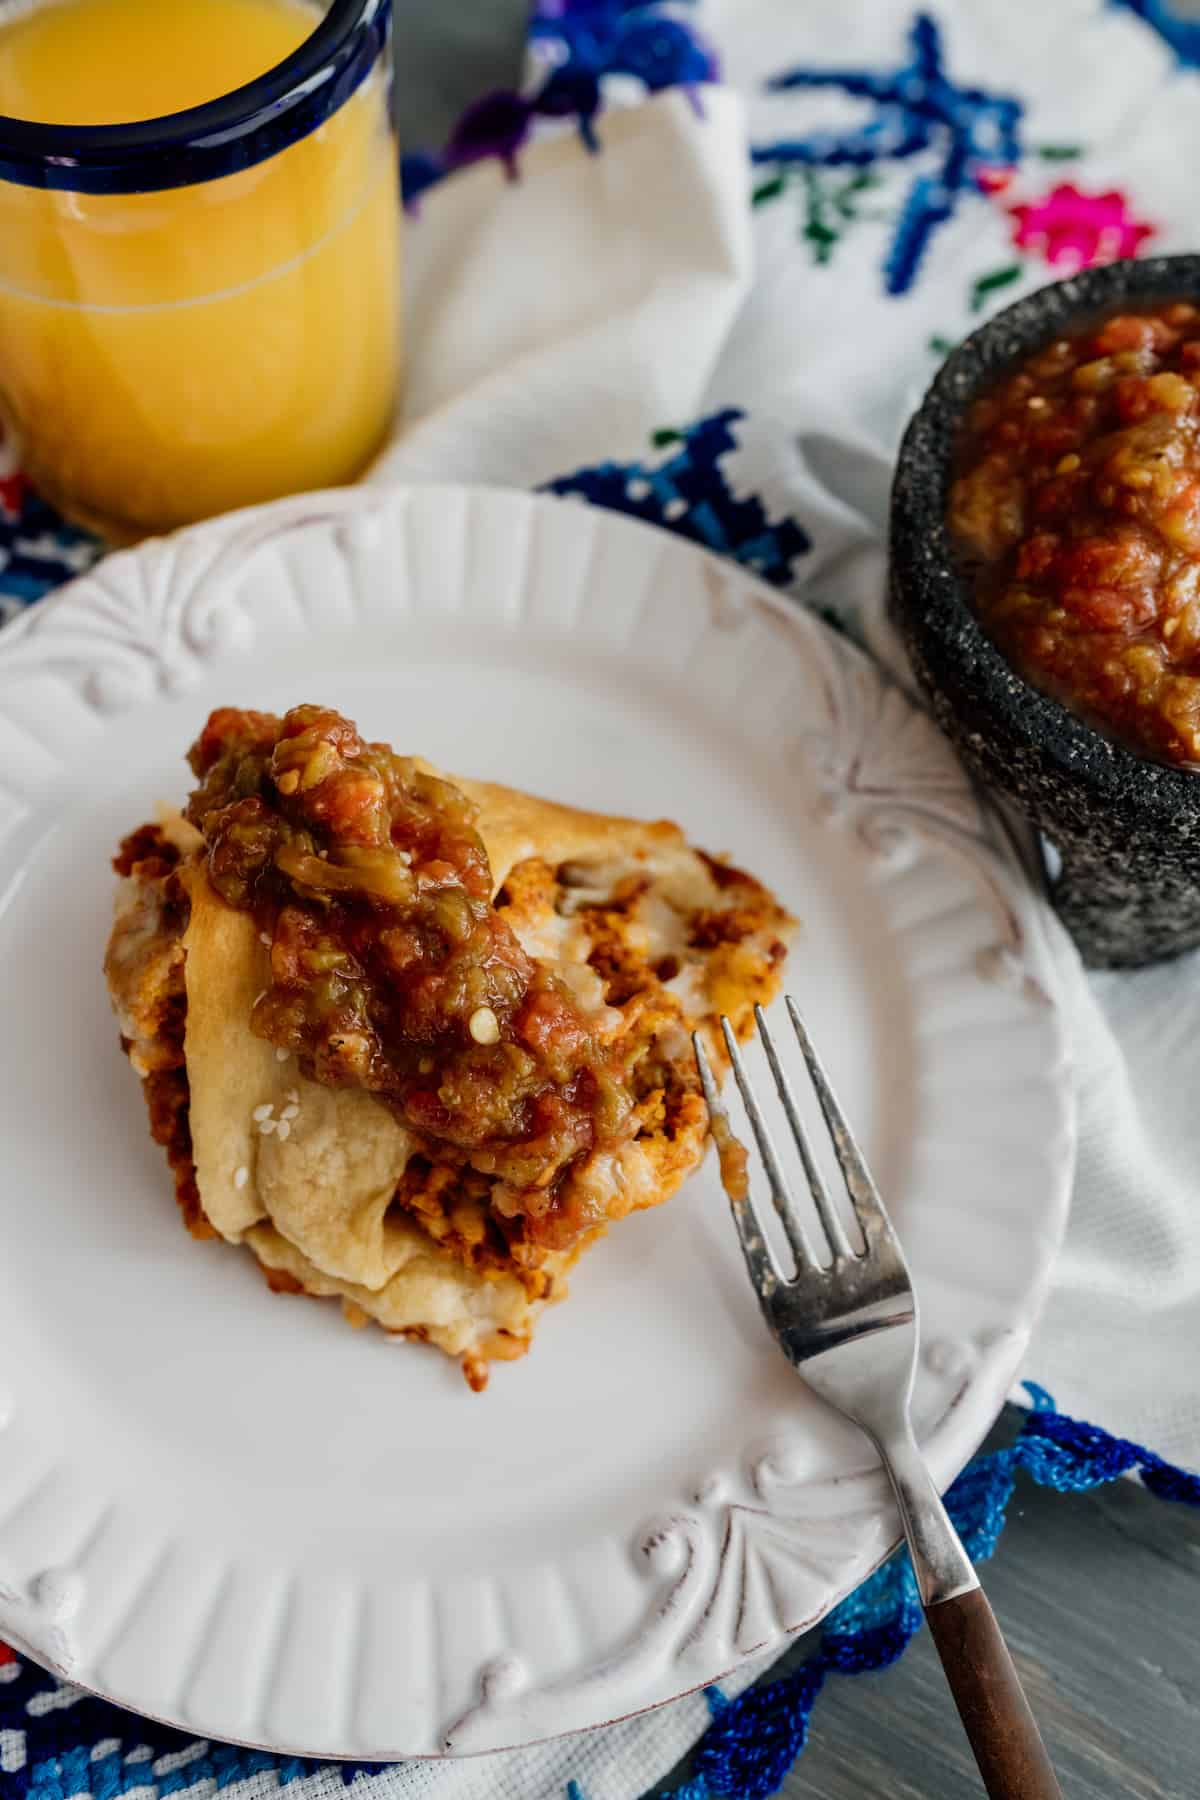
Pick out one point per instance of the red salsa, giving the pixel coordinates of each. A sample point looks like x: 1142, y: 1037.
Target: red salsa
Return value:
x: 391, y: 970
x: 1076, y: 507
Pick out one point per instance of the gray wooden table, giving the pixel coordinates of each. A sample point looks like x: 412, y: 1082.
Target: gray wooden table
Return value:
x: 1099, y: 1594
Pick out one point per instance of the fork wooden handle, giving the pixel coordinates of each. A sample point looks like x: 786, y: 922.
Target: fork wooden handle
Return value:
x: 991, y: 1702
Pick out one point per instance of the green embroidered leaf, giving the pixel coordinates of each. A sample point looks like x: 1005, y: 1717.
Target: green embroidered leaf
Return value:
x: 1059, y: 152
x: 665, y: 435
x: 831, y: 202
x: 822, y: 240
x: 845, y: 198
x: 986, y: 285
x: 768, y: 190
x: 940, y: 346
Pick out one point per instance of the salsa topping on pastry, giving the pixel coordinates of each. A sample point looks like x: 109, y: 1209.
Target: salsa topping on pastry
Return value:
x: 419, y: 1040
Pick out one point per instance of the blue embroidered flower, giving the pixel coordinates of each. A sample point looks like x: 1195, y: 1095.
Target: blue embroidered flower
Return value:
x: 496, y: 125
x: 581, y: 42
x: 573, y: 92
x: 574, y: 46
x: 687, y: 491
x: 915, y: 110
x: 652, y: 41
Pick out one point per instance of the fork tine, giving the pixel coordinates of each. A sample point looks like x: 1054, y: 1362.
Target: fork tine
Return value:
x: 864, y: 1195
x: 835, y: 1231
x: 761, y: 1264
x: 793, y: 1229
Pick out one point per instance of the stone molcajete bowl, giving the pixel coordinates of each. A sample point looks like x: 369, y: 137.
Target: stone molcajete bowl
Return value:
x: 1127, y: 830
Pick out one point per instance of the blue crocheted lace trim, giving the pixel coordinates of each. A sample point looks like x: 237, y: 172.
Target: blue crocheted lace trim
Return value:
x: 754, y: 1740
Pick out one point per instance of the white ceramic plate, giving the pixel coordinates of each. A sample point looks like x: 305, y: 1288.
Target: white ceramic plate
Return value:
x: 228, y: 1510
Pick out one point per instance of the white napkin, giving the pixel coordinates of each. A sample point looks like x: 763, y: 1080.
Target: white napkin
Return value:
x: 559, y: 319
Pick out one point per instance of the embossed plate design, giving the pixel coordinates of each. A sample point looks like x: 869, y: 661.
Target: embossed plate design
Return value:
x: 228, y: 1510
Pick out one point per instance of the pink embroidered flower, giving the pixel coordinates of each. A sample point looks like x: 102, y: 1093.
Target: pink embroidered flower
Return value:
x: 1074, y: 230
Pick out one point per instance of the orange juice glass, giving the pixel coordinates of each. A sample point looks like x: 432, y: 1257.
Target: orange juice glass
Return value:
x: 199, y: 223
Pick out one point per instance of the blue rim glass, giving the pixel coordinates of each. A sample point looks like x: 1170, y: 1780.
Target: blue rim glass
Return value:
x: 232, y: 132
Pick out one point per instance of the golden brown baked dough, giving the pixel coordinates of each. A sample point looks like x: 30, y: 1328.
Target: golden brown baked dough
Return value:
x: 336, y: 1194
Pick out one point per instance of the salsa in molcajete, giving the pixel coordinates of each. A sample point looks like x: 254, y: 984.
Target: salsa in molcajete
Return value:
x: 1076, y: 509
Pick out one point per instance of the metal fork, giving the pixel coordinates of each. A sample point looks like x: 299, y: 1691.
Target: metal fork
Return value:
x: 851, y: 1329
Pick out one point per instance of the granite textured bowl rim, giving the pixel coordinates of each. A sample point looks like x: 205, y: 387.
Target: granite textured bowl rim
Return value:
x: 922, y: 555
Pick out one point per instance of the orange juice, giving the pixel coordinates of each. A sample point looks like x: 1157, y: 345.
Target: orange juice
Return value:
x: 166, y: 355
